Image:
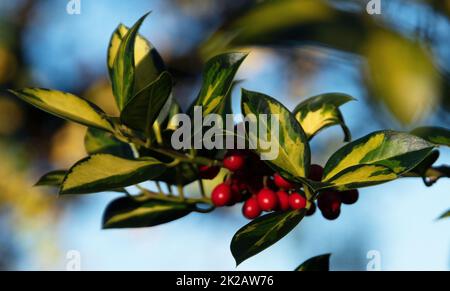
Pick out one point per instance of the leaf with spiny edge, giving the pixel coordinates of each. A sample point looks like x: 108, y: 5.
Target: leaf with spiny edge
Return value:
x: 66, y: 106
x: 322, y: 111
x: 104, y: 172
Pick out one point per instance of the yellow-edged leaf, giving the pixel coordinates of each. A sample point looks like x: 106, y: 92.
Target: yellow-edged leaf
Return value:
x: 322, y: 111
x: 104, y: 172
x: 66, y: 106
x: 376, y: 158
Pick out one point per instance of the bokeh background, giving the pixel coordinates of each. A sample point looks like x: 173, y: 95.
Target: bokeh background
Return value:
x: 396, y: 64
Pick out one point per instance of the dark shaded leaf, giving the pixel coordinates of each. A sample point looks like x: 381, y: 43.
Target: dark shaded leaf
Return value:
x: 54, y: 178
x: 263, y: 232
x: 316, y: 264
x: 101, y: 142
x: 128, y: 212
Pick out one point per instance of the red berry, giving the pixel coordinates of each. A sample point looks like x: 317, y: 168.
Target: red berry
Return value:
x: 329, y: 201
x: 251, y: 208
x: 234, y: 161
x: 331, y: 215
x: 282, y: 183
x: 349, y: 197
x: 267, y: 199
x: 311, y: 210
x: 207, y: 172
x: 221, y: 195
x: 283, y: 200
x: 297, y: 201
x: 315, y: 173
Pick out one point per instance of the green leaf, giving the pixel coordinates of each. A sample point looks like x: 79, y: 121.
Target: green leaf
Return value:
x: 148, y: 63
x: 322, y: 111
x: 294, y: 155
x: 376, y: 158
x: 54, y: 178
x: 218, y: 76
x: 123, y: 74
x: 316, y: 264
x: 143, y: 109
x: 436, y: 135
x: 66, y: 106
x: 445, y: 215
x: 103, y: 172
x: 101, y: 142
x: 263, y: 232
x: 128, y: 212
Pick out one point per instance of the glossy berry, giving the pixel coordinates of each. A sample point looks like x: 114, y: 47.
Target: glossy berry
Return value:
x: 329, y: 201
x: 234, y: 162
x: 222, y: 195
x: 311, y: 210
x: 349, y: 197
x: 281, y: 182
x: 207, y: 172
x: 267, y: 199
x: 297, y: 201
x: 283, y: 200
x: 315, y: 173
x: 331, y: 215
x: 251, y: 208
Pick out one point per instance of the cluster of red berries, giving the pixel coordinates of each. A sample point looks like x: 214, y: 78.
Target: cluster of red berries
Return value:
x: 252, y: 181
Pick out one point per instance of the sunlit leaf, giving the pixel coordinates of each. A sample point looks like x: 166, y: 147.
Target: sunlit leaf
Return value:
x: 316, y: 264
x: 376, y: 158
x: 124, y: 73
x: 263, y: 232
x: 293, y: 157
x: 148, y: 63
x: 128, y: 212
x: 218, y: 76
x: 143, y: 109
x: 319, y: 112
x: 54, y: 178
x: 103, y: 172
x: 66, y: 106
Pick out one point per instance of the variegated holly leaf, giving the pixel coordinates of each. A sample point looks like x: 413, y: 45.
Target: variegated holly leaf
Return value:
x: 143, y: 109
x: 66, y: 106
x: 101, y: 142
x: 322, y: 111
x: 263, y: 232
x: 141, y: 211
x: 316, y: 264
x: 376, y: 158
x: 436, y: 135
x: 289, y: 148
x: 218, y: 76
x: 124, y: 70
x: 53, y: 178
x: 147, y: 61
x: 103, y: 172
